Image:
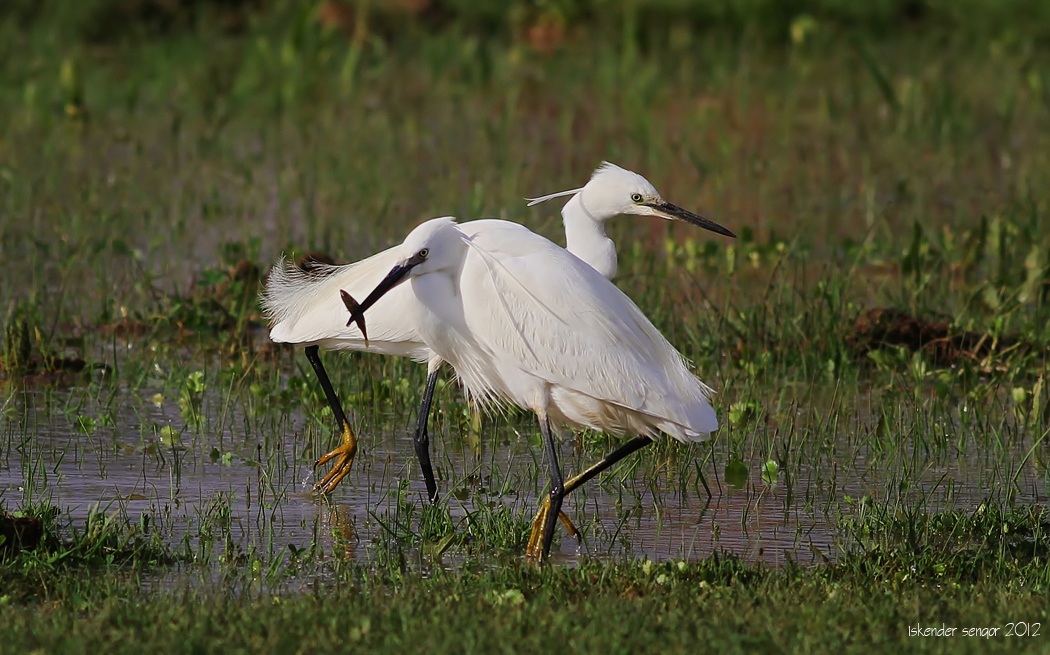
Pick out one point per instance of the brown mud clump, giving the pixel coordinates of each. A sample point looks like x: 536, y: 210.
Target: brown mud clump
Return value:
x: 946, y: 344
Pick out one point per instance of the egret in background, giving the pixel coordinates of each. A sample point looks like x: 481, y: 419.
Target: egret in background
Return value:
x: 526, y: 322
x: 613, y: 191
x: 305, y: 306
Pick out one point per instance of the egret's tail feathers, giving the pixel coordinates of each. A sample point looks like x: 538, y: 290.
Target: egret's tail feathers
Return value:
x: 287, y: 285
x: 308, y: 306
x: 699, y: 428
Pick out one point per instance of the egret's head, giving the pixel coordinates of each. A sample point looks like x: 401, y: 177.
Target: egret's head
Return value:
x: 433, y: 246
x: 613, y: 190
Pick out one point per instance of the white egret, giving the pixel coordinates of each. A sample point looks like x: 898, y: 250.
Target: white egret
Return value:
x: 613, y: 191
x: 524, y: 321
x: 304, y: 306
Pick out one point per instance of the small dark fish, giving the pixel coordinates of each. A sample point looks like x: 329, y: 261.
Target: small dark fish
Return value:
x: 352, y: 305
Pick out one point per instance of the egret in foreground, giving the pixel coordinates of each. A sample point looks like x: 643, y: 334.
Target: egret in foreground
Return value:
x: 526, y: 322
x: 305, y: 306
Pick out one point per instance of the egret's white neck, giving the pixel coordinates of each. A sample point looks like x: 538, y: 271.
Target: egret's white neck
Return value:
x: 585, y: 237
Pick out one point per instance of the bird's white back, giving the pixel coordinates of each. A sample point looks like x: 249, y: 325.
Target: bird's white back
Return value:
x: 534, y: 316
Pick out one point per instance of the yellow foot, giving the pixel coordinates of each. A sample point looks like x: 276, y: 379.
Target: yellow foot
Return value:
x: 534, y: 551
x: 344, y: 459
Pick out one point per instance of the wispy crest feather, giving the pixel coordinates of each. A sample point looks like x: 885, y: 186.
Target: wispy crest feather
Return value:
x: 559, y: 194
x: 605, y: 167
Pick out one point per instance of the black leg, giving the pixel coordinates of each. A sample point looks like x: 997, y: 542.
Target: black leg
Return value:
x: 422, y: 437
x: 542, y: 525
x: 326, y: 385
x: 557, y: 492
x: 615, y: 456
x: 344, y: 453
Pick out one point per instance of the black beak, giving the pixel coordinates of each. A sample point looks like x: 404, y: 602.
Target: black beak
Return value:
x: 395, y: 277
x: 674, y: 211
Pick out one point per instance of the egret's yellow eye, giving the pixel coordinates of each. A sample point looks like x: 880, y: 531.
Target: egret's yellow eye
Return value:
x: 636, y: 197
x: 423, y: 253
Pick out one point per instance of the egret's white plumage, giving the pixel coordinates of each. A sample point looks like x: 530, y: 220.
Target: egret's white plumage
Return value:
x: 525, y: 321
x: 305, y: 307
x: 613, y: 191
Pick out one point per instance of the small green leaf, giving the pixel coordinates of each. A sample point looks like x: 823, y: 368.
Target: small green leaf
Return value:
x: 741, y: 413
x: 770, y: 472
x: 437, y: 549
x: 736, y: 474
x: 169, y: 436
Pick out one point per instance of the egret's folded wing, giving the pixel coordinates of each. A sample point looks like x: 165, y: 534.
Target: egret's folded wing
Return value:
x: 564, y: 322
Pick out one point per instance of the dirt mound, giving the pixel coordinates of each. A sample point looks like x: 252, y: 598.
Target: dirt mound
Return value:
x: 946, y: 344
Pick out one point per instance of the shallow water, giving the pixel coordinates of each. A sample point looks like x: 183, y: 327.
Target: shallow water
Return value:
x: 221, y: 491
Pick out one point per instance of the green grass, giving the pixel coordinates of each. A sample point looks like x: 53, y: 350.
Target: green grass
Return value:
x: 954, y: 575
x: 875, y: 155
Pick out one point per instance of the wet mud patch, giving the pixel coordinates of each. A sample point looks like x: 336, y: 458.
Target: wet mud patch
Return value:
x: 945, y: 343
x: 19, y: 533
